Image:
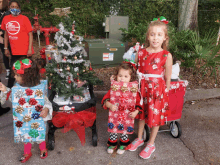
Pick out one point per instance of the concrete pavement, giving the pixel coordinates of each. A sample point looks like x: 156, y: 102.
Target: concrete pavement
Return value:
x: 199, y: 143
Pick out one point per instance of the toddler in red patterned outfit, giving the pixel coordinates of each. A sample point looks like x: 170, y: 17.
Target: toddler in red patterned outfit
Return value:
x: 123, y: 102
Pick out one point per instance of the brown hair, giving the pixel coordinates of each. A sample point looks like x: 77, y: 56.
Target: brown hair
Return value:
x: 15, y: 2
x: 41, y: 63
x: 129, y: 67
x: 4, y: 5
x: 31, y: 76
x: 158, y: 23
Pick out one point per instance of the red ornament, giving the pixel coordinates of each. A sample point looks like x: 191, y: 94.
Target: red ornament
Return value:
x: 42, y: 51
x: 32, y: 101
x: 21, y: 101
x: 49, y: 88
x: 69, y: 82
x: 29, y: 92
x: 90, y: 68
x: 19, y: 124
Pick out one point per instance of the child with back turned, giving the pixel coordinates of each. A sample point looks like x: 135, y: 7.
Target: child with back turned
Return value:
x: 31, y: 107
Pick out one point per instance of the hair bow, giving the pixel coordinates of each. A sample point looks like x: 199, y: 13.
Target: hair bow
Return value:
x: 21, y: 65
x: 162, y: 19
x: 131, y: 63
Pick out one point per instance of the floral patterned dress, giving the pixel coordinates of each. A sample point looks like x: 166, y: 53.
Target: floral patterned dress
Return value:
x: 151, y: 68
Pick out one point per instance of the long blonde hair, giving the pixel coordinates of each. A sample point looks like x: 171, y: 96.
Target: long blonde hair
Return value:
x: 158, y: 23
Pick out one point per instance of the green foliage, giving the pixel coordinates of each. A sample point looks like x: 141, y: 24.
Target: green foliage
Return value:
x: 180, y: 46
x: 134, y: 31
x: 209, y: 12
x: 90, y: 14
x: 206, y: 50
x: 142, y: 11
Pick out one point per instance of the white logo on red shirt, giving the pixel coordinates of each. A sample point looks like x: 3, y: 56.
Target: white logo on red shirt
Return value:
x: 13, y: 27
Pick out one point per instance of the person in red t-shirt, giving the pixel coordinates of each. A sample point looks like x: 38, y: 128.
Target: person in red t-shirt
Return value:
x: 18, y: 31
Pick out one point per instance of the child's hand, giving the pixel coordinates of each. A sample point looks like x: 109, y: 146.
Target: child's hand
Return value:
x: 44, y: 112
x: 113, y: 107
x: 2, y: 87
x: 112, y: 77
x: 133, y: 114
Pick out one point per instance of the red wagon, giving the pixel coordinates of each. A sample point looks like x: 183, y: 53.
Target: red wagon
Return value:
x: 176, y: 100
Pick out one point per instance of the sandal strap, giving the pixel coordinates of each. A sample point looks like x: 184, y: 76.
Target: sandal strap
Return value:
x: 112, y: 147
x: 122, y: 147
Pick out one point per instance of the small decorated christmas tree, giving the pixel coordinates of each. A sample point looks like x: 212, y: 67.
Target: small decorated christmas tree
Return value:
x: 69, y: 71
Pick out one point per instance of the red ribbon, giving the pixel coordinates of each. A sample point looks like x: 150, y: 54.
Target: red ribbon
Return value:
x: 78, y: 122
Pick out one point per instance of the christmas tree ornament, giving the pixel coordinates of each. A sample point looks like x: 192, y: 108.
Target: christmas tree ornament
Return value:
x: 76, y: 69
x: 75, y: 57
x: 64, y: 58
x: 84, y: 70
x: 68, y: 68
x: 19, y: 109
x: 51, y: 74
x: 90, y: 68
x: 73, y: 28
x: 26, y: 118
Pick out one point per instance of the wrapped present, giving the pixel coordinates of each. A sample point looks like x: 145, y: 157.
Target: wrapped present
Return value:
x: 80, y: 99
x: 27, y: 104
x: 123, y: 95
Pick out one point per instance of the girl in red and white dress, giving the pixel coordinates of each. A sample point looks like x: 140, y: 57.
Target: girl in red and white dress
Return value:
x: 154, y: 72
